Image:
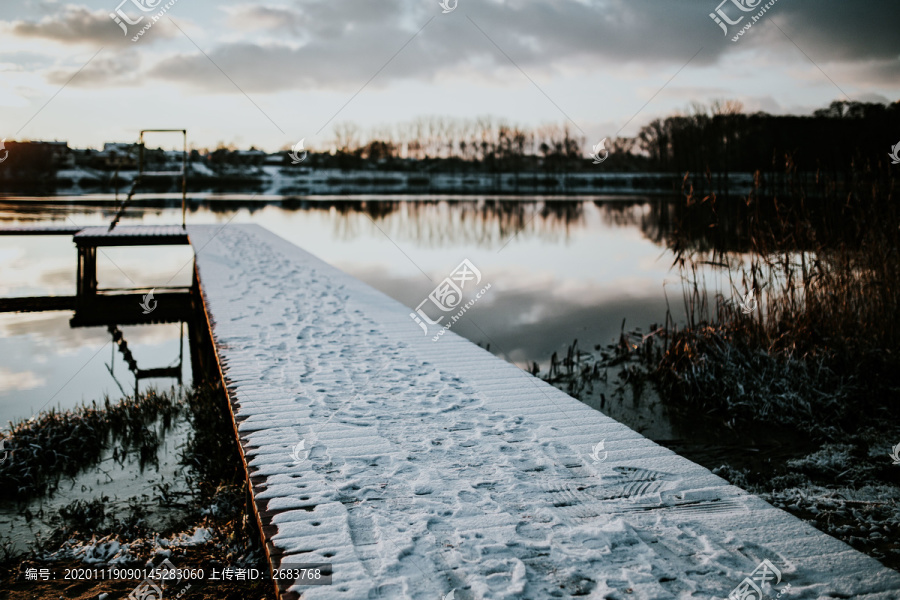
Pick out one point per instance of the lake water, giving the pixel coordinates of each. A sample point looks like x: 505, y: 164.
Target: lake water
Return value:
x: 559, y: 270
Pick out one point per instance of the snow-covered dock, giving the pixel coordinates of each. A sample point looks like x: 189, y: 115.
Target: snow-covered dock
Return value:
x: 41, y: 230
x: 134, y: 235
x: 434, y: 467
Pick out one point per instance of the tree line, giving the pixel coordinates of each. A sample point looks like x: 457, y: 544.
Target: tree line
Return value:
x: 715, y: 139
x: 719, y: 138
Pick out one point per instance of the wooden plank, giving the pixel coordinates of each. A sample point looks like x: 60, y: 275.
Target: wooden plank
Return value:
x: 40, y: 230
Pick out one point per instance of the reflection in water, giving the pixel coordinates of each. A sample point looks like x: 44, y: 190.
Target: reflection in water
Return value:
x: 92, y: 308
x: 113, y: 458
x: 560, y: 268
x: 173, y: 372
x: 486, y: 223
x: 432, y: 222
x: 50, y: 364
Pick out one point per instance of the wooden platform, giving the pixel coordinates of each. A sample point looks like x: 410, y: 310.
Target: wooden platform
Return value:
x: 123, y: 235
x: 430, y: 467
x: 94, y: 306
x: 138, y: 235
x: 41, y: 230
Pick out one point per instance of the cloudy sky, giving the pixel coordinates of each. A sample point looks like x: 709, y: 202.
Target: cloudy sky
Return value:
x: 271, y: 72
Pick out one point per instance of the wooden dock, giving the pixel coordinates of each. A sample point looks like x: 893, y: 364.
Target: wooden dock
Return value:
x: 41, y: 230
x: 420, y: 468
x: 98, y: 307
x: 112, y: 308
x: 132, y: 235
x: 135, y: 235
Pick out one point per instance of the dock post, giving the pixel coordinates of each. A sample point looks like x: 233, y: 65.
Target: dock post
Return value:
x: 86, y: 285
x: 184, y: 182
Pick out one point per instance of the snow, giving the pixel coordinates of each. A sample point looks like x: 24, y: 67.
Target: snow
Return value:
x: 201, y: 169
x: 78, y: 173
x: 434, y: 466
x: 201, y: 535
x: 105, y: 550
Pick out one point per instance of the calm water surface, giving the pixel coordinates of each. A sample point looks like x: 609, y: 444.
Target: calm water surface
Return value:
x: 559, y: 270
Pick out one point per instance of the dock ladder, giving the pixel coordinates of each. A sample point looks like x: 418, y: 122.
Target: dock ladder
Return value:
x: 141, y: 174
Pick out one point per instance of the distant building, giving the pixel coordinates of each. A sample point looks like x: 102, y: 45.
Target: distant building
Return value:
x: 116, y: 156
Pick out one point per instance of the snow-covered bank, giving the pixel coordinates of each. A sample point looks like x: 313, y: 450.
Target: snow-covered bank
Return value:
x: 430, y: 466
x: 281, y: 182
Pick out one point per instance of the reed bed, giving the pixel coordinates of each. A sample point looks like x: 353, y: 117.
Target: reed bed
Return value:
x: 53, y: 445
x: 817, y: 342
x: 790, y: 392
x: 61, y: 444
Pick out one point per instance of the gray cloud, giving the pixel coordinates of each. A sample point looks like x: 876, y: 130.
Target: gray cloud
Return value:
x: 339, y: 45
x: 835, y: 30
x: 76, y: 24
x: 330, y: 45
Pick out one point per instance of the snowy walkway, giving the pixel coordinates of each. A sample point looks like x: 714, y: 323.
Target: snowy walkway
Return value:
x: 432, y: 467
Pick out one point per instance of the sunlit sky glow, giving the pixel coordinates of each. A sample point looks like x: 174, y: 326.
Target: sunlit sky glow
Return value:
x: 272, y: 72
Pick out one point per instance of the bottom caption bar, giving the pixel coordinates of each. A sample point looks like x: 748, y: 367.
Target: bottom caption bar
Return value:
x: 169, y: 575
